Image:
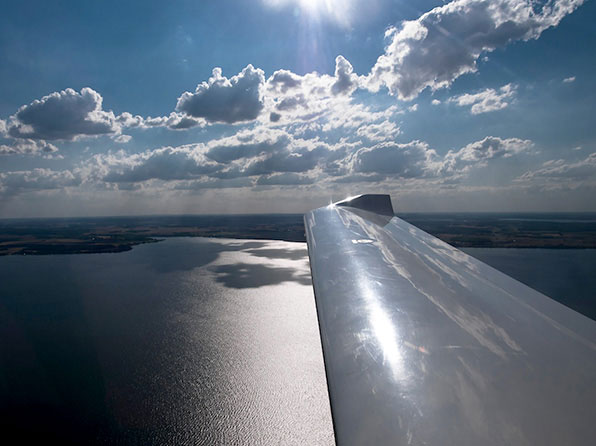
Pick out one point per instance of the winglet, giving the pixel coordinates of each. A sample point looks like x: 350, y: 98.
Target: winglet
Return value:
x: 377, y: 203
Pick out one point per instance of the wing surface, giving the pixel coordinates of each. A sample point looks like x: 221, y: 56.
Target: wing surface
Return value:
x: 426, y: 345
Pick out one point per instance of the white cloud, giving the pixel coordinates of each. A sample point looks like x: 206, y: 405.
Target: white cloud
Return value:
x: 435, y: 102
x: 226, y: 100
x: 247, y: 144
x: 13, y: 183
x: 349, y: 117
x: 214, y: 184
x: 284, y: 80
x: 254, y: 152
x: 64, y: 115
x: 557, y: 170
x: 383, y: 131
x: 28, y: 147
x: 447, y: 41
x: 166, y: 163
x: 267, y: 154
x: 478, y: 153
x: 123, y: 139
x: 284, y: 179
x: 487, y: 100
x: 173, y: 121
x: 569, y: 80
x: 346, y: 81
x: 414, y: 159
x: 290, y: 98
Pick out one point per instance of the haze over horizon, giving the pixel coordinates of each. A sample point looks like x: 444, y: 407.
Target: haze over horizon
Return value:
x: 280, y: 106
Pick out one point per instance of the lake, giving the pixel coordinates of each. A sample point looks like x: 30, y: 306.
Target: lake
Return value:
x: 566, y: 275
x: 186, y: 341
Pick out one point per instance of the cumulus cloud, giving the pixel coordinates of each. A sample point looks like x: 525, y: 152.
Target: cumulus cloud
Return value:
x: 382, y: 131
x: 478, y: 153
x: 569, y: 80
x: 275, y: 157
x: 284, y: 80
x: 360, y: 178
x: 214, y: 184
x: 249, y: 153
x: 487, y: 100
x: 173, y: 121
x: 299, y: 158
x: 414, y: 159
x: 64, y: 115
x: 13, y: 183
x: 349, y: 117
x: 28, y: 147
x: 289, y: 97
x: 564, y: 170
x: 226, y: 100
x: 346, y: 80
x: 447, y: 41
x: 292, y: 102
x: 284, y: 179
x: 166, y: 163
x: 123, y: 139
x: 417, y: 160
x: 247, y: 144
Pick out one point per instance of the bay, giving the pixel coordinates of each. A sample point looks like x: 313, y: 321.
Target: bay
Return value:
x: 565, y: 275
x: 186, y: 341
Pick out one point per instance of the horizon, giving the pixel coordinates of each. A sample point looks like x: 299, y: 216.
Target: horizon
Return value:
x: 297, y: 214
x: 281, y: 106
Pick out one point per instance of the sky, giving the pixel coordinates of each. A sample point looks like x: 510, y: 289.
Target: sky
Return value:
x: 275, y: 106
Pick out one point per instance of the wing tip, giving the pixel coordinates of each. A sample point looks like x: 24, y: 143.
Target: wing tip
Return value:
x: 377, y: 203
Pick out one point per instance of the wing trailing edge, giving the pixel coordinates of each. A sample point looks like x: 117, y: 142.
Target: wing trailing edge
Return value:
x: 424, y: 344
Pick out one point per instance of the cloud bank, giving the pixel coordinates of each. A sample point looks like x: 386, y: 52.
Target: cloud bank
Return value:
x: 447, y: 41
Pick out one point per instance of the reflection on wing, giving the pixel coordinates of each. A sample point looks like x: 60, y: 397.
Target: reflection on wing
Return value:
x: 424, y: 344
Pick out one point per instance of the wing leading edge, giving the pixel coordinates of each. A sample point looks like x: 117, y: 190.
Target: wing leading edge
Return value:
x: 424, y: 344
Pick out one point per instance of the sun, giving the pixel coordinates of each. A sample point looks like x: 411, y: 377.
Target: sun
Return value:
x: 311, y: 5
x: 339, y: 11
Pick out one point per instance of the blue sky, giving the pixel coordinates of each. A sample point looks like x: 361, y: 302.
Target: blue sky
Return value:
x: 111, y: 108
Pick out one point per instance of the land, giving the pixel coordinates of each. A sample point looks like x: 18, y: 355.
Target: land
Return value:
x: 117, y: 234
x: 487, y: 230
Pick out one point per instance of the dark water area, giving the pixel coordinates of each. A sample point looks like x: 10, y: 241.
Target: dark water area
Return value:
x: 186, y: 341
x: 565, y: 275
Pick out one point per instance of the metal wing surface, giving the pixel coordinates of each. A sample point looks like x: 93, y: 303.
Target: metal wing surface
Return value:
x: 426, y: 345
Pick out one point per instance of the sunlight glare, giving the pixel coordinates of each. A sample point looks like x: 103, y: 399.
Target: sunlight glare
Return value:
x: 339, y: 11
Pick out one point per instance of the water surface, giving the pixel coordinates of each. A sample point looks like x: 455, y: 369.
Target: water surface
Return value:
x: 187, y: 341
x: 566, y: 275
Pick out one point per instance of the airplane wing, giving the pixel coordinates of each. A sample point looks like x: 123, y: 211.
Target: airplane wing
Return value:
x: 426, y: 345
